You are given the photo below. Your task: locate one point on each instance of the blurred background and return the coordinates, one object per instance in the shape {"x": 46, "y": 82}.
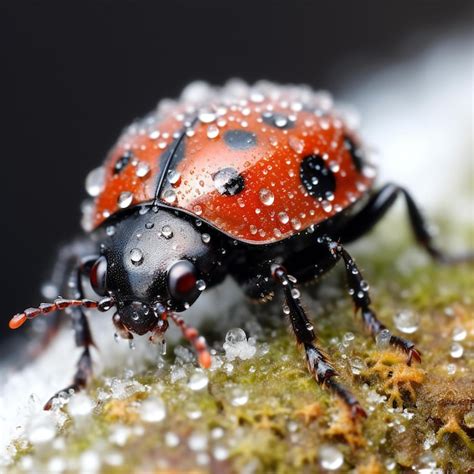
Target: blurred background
{"x": 75, "y": 73}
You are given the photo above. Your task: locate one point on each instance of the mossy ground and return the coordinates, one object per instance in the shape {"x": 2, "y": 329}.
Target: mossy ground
{"x": 266, "y": 414}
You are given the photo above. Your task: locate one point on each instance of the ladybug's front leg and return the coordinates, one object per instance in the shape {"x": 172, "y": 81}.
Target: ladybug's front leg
{"x": 82, "y": 333}
{"x": 318, "y": 362}
{"x": 359, "y": 290}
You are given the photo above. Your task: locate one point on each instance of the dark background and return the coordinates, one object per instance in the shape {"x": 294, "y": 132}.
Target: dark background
{"x": 74, "y": 73}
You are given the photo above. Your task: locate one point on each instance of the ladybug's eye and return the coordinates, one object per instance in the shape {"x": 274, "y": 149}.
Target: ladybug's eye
{"x": 98, "y": 276}
{"x": 182, "y": 278}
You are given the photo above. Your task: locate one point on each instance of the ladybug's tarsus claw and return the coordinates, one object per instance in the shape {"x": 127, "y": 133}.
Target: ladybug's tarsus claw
{"x": 413, "y": 354}
{"x": 358, "y": 412}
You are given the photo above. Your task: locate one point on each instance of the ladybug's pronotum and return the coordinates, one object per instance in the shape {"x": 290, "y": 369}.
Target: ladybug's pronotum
{"x": 264, "y": 183}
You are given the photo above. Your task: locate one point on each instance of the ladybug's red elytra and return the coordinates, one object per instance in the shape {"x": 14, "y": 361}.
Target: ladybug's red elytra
{"x": 264, "y": 183}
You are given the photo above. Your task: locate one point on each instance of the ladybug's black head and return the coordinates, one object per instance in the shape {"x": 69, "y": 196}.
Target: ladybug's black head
{"x": 154, "y": 260}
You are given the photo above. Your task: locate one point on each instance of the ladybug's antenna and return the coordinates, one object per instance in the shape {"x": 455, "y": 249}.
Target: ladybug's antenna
{"x": 192, "y": 335}
{"x": 59, "y": 304}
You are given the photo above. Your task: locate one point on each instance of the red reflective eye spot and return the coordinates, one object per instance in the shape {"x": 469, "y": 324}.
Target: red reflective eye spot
{"x": 186, "y": 283}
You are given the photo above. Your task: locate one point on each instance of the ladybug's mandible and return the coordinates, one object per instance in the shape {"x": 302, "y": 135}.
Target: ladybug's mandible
{"x": 264, "y": 183}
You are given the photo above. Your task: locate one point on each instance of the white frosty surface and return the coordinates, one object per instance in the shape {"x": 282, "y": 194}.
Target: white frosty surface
{"x": 419, "y": 115}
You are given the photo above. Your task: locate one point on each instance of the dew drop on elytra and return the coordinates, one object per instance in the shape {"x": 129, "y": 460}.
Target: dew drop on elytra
{"x": 169, "y": 196}
{"x": 173, "y": 176}
{"x": 212, "y": 131}
{"x": 125, "y": 199}
{"x": 283, "y": 217}
{"x": 266, "y": 196}
{"x": 142, "y": 169}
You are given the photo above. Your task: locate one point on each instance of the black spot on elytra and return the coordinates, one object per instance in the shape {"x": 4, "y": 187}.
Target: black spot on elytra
{"x": 283, "y": 122}
{"x": 240, "y": 139}
{"x": 316, "y": 177}
{"x": 228, "y": 181}
{"x": 122, "y": 162}
{"x": 356, "y": 153}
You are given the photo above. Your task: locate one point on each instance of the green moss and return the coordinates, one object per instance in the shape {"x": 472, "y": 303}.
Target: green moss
{"x": 287, "y": 417}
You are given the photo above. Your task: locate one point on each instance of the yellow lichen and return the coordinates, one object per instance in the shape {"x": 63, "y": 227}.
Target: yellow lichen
{"x": 398, "y": 378}
{"x": 372, "y": 466}
{"x": 344, "y": 426}
{"x": 310, "y": 412}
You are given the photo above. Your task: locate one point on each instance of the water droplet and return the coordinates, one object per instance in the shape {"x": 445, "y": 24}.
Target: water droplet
{"x": 266, "y": 196}
{"x": 239, "y": 397}
{"x": 283, "y": 217}
{"x": 212, "y": 131}
{"x": 149, "y": 225}
{"x": 197, "y": 441}
{"x": 201, "y": 285}
{"x": 220, "y": 453}
{"x": 152, "y": 410}
{"x": 171, "y": 439}
{"x": 80, "y": 405}
{"x": 382, "y": 339}
{"x": 406, "y": 321}
{"x": 330, "y": 457}
{"x": 136, "y": 256}
{"x": 281, "y": 121}
{"x": 326, "y": 205}
{"x": 451, "y": 369}
{"x": 295, "y": 293}
{"x": 198, "y": 381}
{"x": 296, "y": 144}
{"x": 235, "y": 336}
{"x": 296, "y": 223}
{"x": 166, "y": 232}
{"x": 206, "y": 238}
{"x": 173, "y": 177}
{"x": 110, "y": 230}
{"x": 206, "y": 116}
{"x": 95, "y": 181}
{"x": 456, "y": 350}
{"x": 125, "y": 199}
{"x": 142, "y": 169}
{"x": 459, "y": 334}
{"x": 348, "y": 338}
{"x": 169, "y": 196}
{"x": 357, "y": 365}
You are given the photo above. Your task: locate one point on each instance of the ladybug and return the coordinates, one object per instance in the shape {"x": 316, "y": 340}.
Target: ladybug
{"x": 264, "y": 183}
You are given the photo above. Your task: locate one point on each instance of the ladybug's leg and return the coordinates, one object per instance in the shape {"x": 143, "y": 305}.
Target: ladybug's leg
{"x": 359, "y": 291}
{"x": 379, "y": 203}
{"x": 318, "y": 363}
{"x": 66, "y": 259}
{"x": 82, "y": 334}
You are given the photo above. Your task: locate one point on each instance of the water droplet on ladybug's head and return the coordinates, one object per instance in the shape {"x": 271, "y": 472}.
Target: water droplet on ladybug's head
{"x": 167, "y": 232}
{"x": 136, "y": 256}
